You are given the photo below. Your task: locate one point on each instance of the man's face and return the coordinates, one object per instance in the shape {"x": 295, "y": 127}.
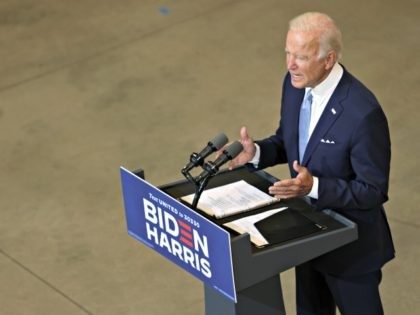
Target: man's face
{"x": 302, "y": 61}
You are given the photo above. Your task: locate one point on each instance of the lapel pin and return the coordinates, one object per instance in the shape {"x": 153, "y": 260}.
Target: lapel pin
{"x": 333, "y": 111}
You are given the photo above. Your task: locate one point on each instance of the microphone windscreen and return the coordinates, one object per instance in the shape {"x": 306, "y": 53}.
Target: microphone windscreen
{"x": 219, "y": 141}
{"x": 234, "y": 149}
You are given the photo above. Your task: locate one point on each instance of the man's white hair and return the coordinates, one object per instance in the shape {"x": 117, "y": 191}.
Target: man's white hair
{"x": 329, "y": 34}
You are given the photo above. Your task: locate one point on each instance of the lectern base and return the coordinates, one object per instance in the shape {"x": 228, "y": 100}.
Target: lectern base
{"x": 263, "y": 298}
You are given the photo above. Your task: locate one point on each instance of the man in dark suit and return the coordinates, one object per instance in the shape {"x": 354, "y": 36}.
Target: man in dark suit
{"x": 334, "y": 136}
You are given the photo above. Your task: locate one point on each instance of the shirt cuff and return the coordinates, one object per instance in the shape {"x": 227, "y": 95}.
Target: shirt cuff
{"x": 256, "y": 159}
{"x": 314, "y": 190}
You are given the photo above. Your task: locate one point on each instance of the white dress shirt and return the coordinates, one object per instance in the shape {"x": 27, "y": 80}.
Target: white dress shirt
{"x": 321, "y": 94}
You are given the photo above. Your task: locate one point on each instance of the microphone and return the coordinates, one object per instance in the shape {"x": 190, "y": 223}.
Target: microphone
{"x": 211, "y": 168}
{"x": 213, "y": 145}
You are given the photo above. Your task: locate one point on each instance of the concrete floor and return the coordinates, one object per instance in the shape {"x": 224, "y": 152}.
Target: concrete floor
{"x": 87, "y": 86}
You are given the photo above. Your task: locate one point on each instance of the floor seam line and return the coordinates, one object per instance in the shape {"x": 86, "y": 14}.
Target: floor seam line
{"x": 48, "y": 284}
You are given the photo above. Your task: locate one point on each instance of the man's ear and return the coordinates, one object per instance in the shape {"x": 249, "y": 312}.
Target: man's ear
{"x": 330, "y": 59}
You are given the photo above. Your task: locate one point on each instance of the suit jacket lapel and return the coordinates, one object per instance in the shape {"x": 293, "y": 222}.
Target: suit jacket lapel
{"x": 293, "y": 123}
{"x": 330, "y": 114}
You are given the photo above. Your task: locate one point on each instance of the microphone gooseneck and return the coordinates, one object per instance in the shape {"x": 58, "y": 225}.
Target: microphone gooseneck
{"x": 209, "y": 168}
{"x": 197, "y": 159}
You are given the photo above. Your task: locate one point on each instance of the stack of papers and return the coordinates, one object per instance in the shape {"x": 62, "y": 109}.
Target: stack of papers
{"x": 231, "y": 199}
{"x": 247, "y": 225}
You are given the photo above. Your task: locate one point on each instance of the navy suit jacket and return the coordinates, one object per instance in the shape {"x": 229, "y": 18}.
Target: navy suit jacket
{"x": 349, "y": 151}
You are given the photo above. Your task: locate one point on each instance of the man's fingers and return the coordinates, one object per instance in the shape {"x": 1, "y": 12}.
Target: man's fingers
{"x": 232, "y": 164}
{"x": 288, "y": 182}
{"x": 287, "y": 188}
{"x": 298, "y": 168}
{"x": 284, "y": 191}
{"x": 244, "y": 134}
{"x": 285, "y": 195}
{"x": 220, "y": 151}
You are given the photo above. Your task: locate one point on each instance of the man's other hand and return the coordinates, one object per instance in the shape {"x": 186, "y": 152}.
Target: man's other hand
{"x": 293, "y": 187}
{"x": 246, "y": 155}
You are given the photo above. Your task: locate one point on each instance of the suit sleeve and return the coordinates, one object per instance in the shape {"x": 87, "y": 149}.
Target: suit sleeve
{"x": 370, "y": 154}
{"x": 273, "y": 151}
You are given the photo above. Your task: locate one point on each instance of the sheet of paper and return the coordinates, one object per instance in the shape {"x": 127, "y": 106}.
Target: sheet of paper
{"x": 247, "y": 225}
{"x": 230, "y": 199}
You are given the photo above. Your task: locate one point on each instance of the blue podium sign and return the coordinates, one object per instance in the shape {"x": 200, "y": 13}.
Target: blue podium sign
{"x": 180, "y": 234}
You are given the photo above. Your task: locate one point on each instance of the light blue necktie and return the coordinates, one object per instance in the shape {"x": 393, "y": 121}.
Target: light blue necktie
{"x": 304, "y": 121}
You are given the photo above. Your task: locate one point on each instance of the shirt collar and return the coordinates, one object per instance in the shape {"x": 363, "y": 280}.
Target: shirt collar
{"x": 329, "y": 83}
